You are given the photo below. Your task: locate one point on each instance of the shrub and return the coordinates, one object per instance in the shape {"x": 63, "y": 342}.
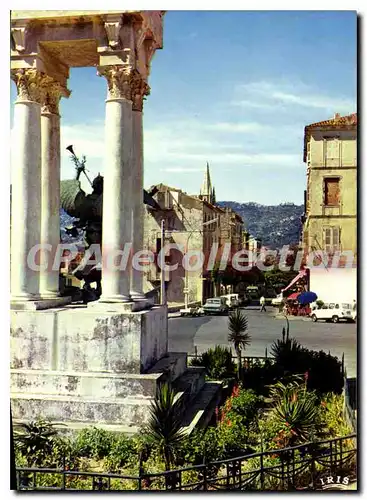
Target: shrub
{"x": 218, "y": 363}
{"x": 94, "y": 442}
{"x": 325, "y": 373}
{"x": 201, "y": 446}
{"x": 331, "y": 412}
{"x": 123, "y": 451}
{"x": 260, "y": 376}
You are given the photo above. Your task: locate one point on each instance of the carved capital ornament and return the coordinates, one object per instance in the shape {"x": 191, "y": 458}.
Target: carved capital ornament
{"x": 140, "y": 89}
{"x": 119, "y": 80}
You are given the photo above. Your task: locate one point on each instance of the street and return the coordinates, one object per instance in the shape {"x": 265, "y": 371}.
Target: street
{"x": 204, "y": 332}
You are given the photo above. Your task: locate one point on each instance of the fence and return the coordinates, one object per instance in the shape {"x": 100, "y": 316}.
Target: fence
{"x": 295, "y": 468}
{"x": 247, "y": 361}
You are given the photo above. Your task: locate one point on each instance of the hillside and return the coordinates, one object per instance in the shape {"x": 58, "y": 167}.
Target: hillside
{"x": 275, "y": 225}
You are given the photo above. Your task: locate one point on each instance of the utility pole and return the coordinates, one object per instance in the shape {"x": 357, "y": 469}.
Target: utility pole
{"x": 162, "y": 264}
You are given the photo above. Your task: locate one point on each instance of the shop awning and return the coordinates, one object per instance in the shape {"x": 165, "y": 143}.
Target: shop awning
{"x": 302, "y": 274}
{"x": 293, "y": 296}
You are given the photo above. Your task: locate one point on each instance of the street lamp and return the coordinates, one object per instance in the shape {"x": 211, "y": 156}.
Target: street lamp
{"x": 186, "y": 289}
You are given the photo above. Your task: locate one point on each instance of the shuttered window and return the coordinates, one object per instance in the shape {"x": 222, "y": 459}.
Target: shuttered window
{"x": 331, "y": 191}
{"x": 332, "y": 238}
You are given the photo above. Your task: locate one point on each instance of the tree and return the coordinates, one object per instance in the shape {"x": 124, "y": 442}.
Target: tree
{"x": 238, "y": 335}
{"x": 164, "y": 431}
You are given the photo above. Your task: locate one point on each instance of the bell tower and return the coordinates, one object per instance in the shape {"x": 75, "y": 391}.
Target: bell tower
{"x": 207, "y": 192}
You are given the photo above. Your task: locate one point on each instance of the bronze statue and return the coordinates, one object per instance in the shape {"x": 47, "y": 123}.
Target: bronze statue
{"x": 87, "y": 210}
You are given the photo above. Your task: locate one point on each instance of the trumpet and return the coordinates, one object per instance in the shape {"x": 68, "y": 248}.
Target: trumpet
{"x": 79, "y": 165}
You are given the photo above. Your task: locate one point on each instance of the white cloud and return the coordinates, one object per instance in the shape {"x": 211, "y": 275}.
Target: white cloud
{"x": 268, "y": 95}
{"x": 181, "y": 170}
{"x": 236, "y": 127}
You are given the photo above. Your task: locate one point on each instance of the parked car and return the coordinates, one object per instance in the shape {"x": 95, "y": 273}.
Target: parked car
{"x": 216, "y": 306}
{"x": 232, "y": 300}
{"x": 278, "y": 300}
{"x": 334, "y": 312}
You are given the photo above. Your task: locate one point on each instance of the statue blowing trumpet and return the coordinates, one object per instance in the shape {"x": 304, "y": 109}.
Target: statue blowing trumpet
{"x": 79, "y": 165}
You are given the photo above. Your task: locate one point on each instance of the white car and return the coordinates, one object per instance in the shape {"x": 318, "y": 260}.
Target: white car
{"x": 334, "y": 312}
{"x": 277, "y": 301}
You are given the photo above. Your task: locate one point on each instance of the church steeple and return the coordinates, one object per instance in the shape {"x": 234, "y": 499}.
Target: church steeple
{"x": 207, "y": 192}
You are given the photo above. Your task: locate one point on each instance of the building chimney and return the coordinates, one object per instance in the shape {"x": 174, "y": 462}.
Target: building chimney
{"x": 336, "y": 116}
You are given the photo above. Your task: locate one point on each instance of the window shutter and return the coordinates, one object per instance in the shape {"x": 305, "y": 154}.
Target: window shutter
{"x": 336, "y": 238}
{"x": 327, "y": 239}
{"x": 331, "y": 192}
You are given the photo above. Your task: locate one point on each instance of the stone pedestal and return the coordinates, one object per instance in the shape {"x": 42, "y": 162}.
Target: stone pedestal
{"x": 78, "y": 365}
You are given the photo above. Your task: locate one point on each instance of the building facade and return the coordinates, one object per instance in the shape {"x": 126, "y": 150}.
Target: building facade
{"x": 193, "y": 225}
{"x": 330, "y": 218}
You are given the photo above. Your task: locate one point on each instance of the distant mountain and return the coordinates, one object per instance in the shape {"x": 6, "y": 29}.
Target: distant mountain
{"x": 275, "y": 225}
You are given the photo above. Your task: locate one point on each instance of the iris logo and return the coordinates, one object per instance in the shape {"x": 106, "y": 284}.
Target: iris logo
{"x": 334, "y": 483}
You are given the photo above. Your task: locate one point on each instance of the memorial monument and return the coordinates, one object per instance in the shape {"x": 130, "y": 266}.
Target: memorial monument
{"x": 99, "y": 363}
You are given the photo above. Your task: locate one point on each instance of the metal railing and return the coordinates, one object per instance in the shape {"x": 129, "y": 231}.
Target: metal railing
{"x": 294, "y": 468}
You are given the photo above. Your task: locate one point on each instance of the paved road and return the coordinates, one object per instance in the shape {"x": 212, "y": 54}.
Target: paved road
{"x": 264, "y": 328}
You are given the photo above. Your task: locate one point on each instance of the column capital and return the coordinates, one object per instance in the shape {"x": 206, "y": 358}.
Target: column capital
{"x": 30, "y": 84}
{"x": 119, "y": 80}
{"x": 140, "y": 89}
{"x": 51, "y": 96}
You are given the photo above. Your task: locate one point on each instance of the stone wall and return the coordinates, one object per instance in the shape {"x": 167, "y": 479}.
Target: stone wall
{"x": 81, "y": 340}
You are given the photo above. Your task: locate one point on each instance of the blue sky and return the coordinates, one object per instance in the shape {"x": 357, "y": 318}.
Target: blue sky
{"x": 233, "y": 88}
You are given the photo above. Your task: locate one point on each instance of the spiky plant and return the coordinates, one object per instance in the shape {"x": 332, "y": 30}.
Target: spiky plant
{"x": 35, "y": 436}
{"x": 164, "y": 430}
{"x": 238, "y": 334}
{"x": 295, "y": 410}
{"x": 287, "y": 352}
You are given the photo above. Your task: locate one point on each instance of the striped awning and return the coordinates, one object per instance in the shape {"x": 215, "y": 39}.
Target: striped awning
{"x": 302, "y": 274}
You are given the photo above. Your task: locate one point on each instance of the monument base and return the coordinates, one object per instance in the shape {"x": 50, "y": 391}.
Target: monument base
{"x": 84, "y": 366}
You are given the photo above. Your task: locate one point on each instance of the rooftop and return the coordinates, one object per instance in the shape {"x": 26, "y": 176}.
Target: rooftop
{"x": 335, "y": 123}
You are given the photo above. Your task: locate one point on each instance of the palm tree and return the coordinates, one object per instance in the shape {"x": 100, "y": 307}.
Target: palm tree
{"x": 164, "y": 429}
{"x": 238, "y": 335}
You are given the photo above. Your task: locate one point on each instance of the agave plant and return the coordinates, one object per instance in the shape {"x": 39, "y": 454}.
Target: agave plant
{"x": 295, "y": 410}
{"x": 164, "y": 430}
{"x": 35, "y": 436}
{"x": 238, "y": 334}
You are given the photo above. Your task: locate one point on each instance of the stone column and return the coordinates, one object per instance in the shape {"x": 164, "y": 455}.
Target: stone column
{"x": 50, "y": 190}
{"x": 118, "y": 174}
{"x": 140, "y": 89}
{"x": 26, "y": 183}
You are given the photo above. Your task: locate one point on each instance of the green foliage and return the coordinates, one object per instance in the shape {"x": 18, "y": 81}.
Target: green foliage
{"x": 237, "y": 326}
{"x": 163, "y": 430}
{"x": 35, "y": 439}
{"x": 93, "y": 442}
{"x": 202, "y": 446}
{"x": 260, "y": 376}
{"x": 245, "y": 405}
{"x": 324, "y": 372}
{"x": 238, "y": 334}
{"x": 218, "y": 363}
{"x": 331, "y": 412}
{"x": 123, "y": 451}
{"x": 295, "y": 410}
{"x": 319, "y": 303}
